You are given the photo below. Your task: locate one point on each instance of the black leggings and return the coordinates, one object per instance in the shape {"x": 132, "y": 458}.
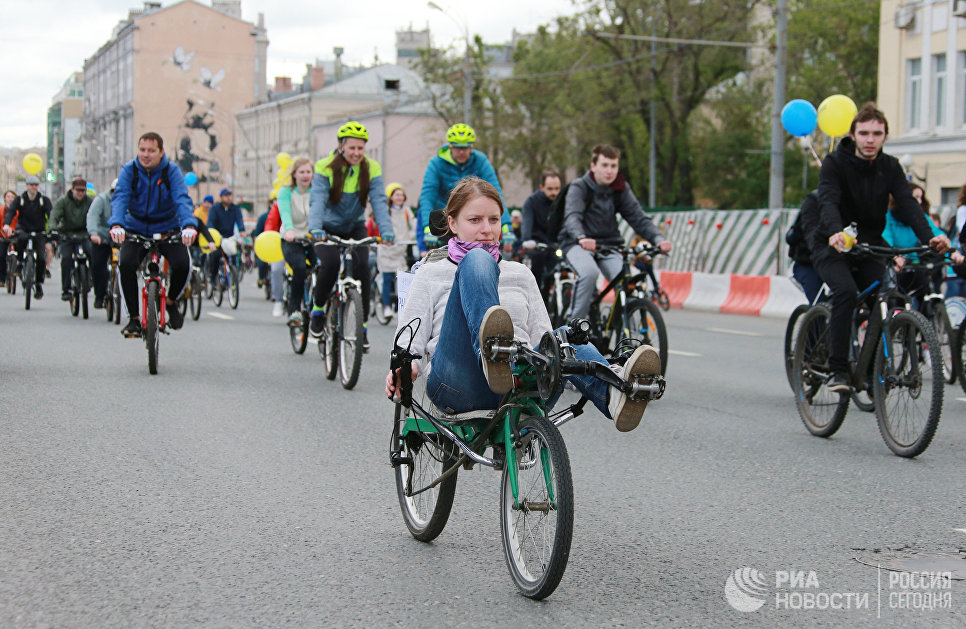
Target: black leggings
{"x": 329, "y": 257}
{"x": 130, "y": 256}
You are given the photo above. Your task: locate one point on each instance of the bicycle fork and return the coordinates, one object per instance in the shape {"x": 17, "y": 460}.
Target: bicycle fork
{"x": 153, "y": 276}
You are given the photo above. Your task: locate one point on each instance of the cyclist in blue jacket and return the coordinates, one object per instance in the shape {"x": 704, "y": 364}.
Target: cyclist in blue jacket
{"x": 454, "y": 161}
{"x": 151, "y": 198}
{"x": 226, "y": 217}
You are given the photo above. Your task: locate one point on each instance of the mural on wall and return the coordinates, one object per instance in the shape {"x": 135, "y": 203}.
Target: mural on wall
{"x": 197, "y": 141}
{"x": 210, "y": 80}
{"x": 181, "y": 58}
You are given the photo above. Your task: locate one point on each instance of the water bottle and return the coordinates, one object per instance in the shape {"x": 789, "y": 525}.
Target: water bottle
{"x": 850, "y": 234}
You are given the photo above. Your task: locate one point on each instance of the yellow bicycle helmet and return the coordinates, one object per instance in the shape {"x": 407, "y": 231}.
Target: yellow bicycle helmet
{"x": 460, "y": 134}
{"x": 353, "y": 129}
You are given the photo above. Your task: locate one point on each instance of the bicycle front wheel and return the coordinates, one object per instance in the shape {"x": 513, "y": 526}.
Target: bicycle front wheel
{"x": 959, "y": 353}
{"x": 85, "y": 289}
{"x": 351, "y": 339}
{"x": 28, "y": 279}
{"x": 116, "y": 296}
{"x": 194, "y": 296}
{"x": 376, "y": 308}
{"x": 299, "y": 335}
{"x": 423, "y": 457}
{"x": 329, "y": 341}
{"x": 233, "y": 281}
{"x": 822, "y": 411}
{"x": 791, "y": 331}
{"x": 909, "y": 389}
{"x": 151, "y": 332}
{"x": 645, "y": 323}
{"x": 537, "y": 527}
{"x": 75, "y": 291}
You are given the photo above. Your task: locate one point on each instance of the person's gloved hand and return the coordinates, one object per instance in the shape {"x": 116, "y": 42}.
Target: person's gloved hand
{"x": 117, "y": 234}
{"x": 317, "y": 234}
{"x": 431, "y": 240}
{"x": 188, "y": 235}
{"x": 509, "y": 238}
{"x": 388, "y": 238}
{"x": 529, "y": 244}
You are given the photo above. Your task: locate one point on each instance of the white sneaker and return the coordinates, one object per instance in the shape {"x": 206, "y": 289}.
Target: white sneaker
{"x": 627, "y": 413}
{"x": 278, "y": 309}
{"x": 497, "y": 324}
{"x": 387, "y": 312}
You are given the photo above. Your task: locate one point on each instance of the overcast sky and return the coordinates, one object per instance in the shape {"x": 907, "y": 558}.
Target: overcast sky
{"x": 44, "y": 41}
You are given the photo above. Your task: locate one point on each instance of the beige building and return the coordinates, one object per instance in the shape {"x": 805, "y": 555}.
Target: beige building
{"x": 922, "y": 90}
{"x": 183, "y": 71}
{"x": 64, "y": 118}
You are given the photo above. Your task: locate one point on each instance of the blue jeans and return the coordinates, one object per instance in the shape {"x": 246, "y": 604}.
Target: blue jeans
{"x": 808, "y": 278}
{"x": 456, "y": 383}
{"x": 955, "y": 287}
{"x": 388, "y": 283}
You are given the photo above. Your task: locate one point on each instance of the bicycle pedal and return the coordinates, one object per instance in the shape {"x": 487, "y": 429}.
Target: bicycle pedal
{"x": 650, "y": 387}
{"x": 499, "y": 350}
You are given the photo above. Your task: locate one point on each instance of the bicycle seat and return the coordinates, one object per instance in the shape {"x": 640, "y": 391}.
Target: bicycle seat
{"x": 457, "y": 418}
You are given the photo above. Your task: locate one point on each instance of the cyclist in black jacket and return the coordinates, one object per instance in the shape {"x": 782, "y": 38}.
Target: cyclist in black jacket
{"x": 33, "y": 208}
{"x": 854, "y": 187}
{"x": 535, "y": 224}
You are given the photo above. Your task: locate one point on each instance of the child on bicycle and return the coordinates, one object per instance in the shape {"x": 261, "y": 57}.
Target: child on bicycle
{"x": 455, "y": 304}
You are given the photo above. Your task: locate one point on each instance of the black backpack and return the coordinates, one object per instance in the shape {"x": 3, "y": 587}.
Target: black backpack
{"x": 555, "y": 218}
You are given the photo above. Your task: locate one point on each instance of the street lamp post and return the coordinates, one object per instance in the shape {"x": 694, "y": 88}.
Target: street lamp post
{"x": 467, "y": 66}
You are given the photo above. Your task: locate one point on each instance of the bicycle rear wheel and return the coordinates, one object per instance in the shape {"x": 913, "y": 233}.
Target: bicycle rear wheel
{"x": 645, "y": 323}
{"x": 151, "y": 332}
{"x": 233, "y": 288}
{"x": 11, "y": 276}
{"x": 821, "y": 410}
{"x": 791, "y": 331}
{"x": 538, "y": 528}
{"x": 944, "y": 336}
{"x": 28, "y": 279}
{"x": 75, "y": 291}
{"x": 351, "y": 338}
{"x": 329, "y": 341}
{"x": 423, "y": 457}
{"x": 218, "y": 292}
{"x": 194, "y": 295}
{"x": 909, "y": 400}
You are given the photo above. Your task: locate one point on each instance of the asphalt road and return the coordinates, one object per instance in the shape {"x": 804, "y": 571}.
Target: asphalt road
{"x": 239, "y": 488}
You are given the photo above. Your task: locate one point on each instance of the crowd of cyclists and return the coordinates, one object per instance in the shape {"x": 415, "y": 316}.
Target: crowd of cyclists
{"x": 335, "y": 195}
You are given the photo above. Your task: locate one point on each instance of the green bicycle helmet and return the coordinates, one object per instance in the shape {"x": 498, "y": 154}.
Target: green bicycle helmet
{"x": 460, "y": 135}
{"x": 353, "y": 129}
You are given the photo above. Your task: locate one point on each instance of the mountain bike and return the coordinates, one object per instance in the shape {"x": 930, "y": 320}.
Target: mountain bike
{"x": 80, "y": 274}
{"x": 898, "y": 362}
{"x": 341, "y": 343}
{"x": 28, "y": 274}
{"x": 428, "y": 447}
{"x": 153, "y": 294}
{"x": 227, "y": 279}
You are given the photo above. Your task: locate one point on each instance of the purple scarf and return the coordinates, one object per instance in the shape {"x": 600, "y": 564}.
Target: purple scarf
{"x": 457, "y": 249}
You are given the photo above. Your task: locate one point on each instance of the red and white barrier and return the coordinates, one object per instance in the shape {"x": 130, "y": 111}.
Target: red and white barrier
{"x": 756, "y": 295}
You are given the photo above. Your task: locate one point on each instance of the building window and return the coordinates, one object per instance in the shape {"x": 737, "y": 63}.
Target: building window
{"x": 939, "y": 89}
{"x": 913, "y": 92}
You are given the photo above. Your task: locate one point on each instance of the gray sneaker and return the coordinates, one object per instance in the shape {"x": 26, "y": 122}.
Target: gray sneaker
{"x": 627, "y": 413}
{"x": 496, "y": 324}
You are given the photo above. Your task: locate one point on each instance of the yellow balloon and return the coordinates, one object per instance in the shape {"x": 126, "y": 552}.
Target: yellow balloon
{"x": 835, "y": 115}
{"x": 283, "y": 160}
{"x": 32, "y": 163}
{"x": 216, "y": 236}
{"x": 268, "y": 247}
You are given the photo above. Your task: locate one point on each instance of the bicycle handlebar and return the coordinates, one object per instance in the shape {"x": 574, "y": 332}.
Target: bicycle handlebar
{"x": 879, "y": 250}
{"x": 331, "y": 240}
{"x": 147, "y": 243}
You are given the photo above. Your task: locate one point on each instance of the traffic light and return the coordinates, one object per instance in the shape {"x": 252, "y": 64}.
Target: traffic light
{"x": 51, "y": 176}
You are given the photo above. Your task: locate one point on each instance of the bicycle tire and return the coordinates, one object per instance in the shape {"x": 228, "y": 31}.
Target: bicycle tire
{"x": 791, "y": 328}
{"x": 299, "y": 335}
{"x": 194, "y": 296}
{"x": 821, "y": 410}
{"x": 218, "y": 292}
{"x": 913, "y": 345}
{"x": 646, "y": 324}
{"x": 85, "y": 289}
{"x": 116, "y": 297}
{"x": 428, "y": 456}
{"x": 27, "y": 283}
{"x": 11, "y": 275}
{"x": 233, "y": 287}
{"x": 109, "y": 298}
{"x": 75, "y": 290}
{"x": 351, "y": 339}
{"x": 376, "y": 308}
{"x": 545, "y": 511}
{"x": 151, "y": 332}
{"x": 959, "y": 353}
{"x": 945, "y": 334}
{"x": 329, "y": 342}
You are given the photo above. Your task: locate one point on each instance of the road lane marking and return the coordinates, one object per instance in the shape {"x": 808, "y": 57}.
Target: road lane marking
{"x": 735, "y": 332}
{"x": 678, "y": 352}
{"x": 218, "y": 315}
{"x": 961, "y": 399}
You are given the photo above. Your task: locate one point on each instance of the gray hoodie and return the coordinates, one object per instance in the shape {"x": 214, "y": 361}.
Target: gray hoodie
{"x": 591, "y": 211}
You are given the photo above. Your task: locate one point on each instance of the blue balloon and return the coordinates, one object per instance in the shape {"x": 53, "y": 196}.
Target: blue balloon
{"x": 190, "y": 179}
{"x": 799, "y": 117}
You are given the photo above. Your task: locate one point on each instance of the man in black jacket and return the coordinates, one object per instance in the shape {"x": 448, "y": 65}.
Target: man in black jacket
{"x": 854, "y": 187}
{"x": 590, "y": 222}
{"x": 34, "y": 210}
{"x": 536, "y": 223}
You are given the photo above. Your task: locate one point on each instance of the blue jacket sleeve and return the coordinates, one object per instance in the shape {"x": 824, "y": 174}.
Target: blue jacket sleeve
{"x": 317, "y": 200}
{"x": 380, "y": 206}
{"x": 484, "y": 170}
{"x": 427, "y": 200}
{"x": 121, "y": 199}
{"x": 180, "y": 196}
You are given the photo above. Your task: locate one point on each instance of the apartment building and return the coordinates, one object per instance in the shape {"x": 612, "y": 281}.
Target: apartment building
{"x": 64, "y": 119}
{"x": 922, "y": 90}
{"x": 183, "y": 71}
